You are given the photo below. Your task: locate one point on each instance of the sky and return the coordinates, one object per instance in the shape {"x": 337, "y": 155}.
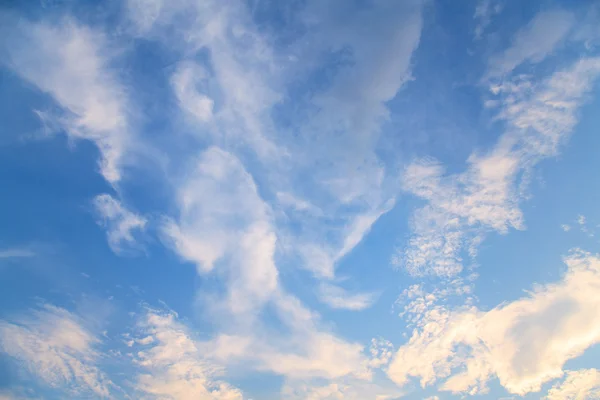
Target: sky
{"x": 300, "y": 199}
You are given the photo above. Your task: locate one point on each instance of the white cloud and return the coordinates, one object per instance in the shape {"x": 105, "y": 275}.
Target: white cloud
{"x": 461, "y": 208}
{"x": 578, "y": 385}
{"x": 71, "y": 63}
{"x": 565, "y": 227}
{"x": 337, "y": 297}
{"x": 55, "y": 346}
{"x": 231, "y": 224}
{"x": 120, "y": 223}
{"x": 249, "y": 77}
{"x": 230, "y": 233}
{"x": 234, "y": 232}
{"x": 581, "y": 219}
{"x": 524, "y": 343}
{"x": 534, "y": 42}
{"x": 172, "y": 365}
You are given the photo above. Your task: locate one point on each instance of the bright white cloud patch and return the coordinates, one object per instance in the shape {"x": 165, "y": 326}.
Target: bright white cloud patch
{"x": 172, "y": 364}
{"x": 120, "y": 223}
{"x": 523, "y": 343}
{"x": 55, "y": 346}
{"x": 71, "y": 63}
{"x": 577, "y": 385}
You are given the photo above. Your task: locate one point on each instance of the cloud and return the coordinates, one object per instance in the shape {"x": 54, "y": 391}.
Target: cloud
{"x": 120, "y": 223}
{"x": 233, "y": 224}
{"x": 337, "y": 297}
{"x": 577, "y": 385}
{"x": 322, "y": 258}
{"x": 251, "y": 170}
{"x": 524, "y": 343}
{"x": 187, "y": 81}
{"x": 230, "y": 234}
{"x": 484, "y": 12}
{"x": 343, "y": 389}
{"x": 462, "y": 207}
{"x": 71, "y": 63}
{"x": 237, "y": 90}
{"x": 16, "y": 252}
{"x": 534, "y": 42}
{"x": 54, "y": 345}
{"x": 171, "y": 363}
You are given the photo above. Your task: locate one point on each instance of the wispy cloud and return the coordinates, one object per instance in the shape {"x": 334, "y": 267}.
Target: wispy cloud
{"x": 120, "y": 223}
{"x": 72, "y": 63}
{"x": 16, "y": 252}
{"x": 54, "y": 345}
{"x": 534, "y": 42}
{"x": 337, "y": 297}
{"x": 484, "y": 12}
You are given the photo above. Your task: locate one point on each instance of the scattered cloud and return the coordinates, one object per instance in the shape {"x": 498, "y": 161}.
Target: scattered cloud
{"x": 524, "y": 343}
{"x": 55, "y": 346}
{"x": 577, "y": 385}
{"x": 565, "y": 227}
{"x": 534, "y": 42}
{"x": 485, "y": 10}
{"x": 120, "y": 223}
{"x": 461, "y": 208}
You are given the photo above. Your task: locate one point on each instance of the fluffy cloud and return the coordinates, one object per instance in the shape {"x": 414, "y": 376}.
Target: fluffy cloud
{"x": 577, "y": 385}
{"x": 172, "y": 364}
{"x": 524, "y": 343}
{"x": 120, "y": 223}
{"x": 54, "y": 345}
{"x": 461, "y": 208}
{"x": 71, "y": 63}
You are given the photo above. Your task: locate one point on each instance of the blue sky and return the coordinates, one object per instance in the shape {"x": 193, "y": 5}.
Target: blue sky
{"x": 299, "y": 200}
